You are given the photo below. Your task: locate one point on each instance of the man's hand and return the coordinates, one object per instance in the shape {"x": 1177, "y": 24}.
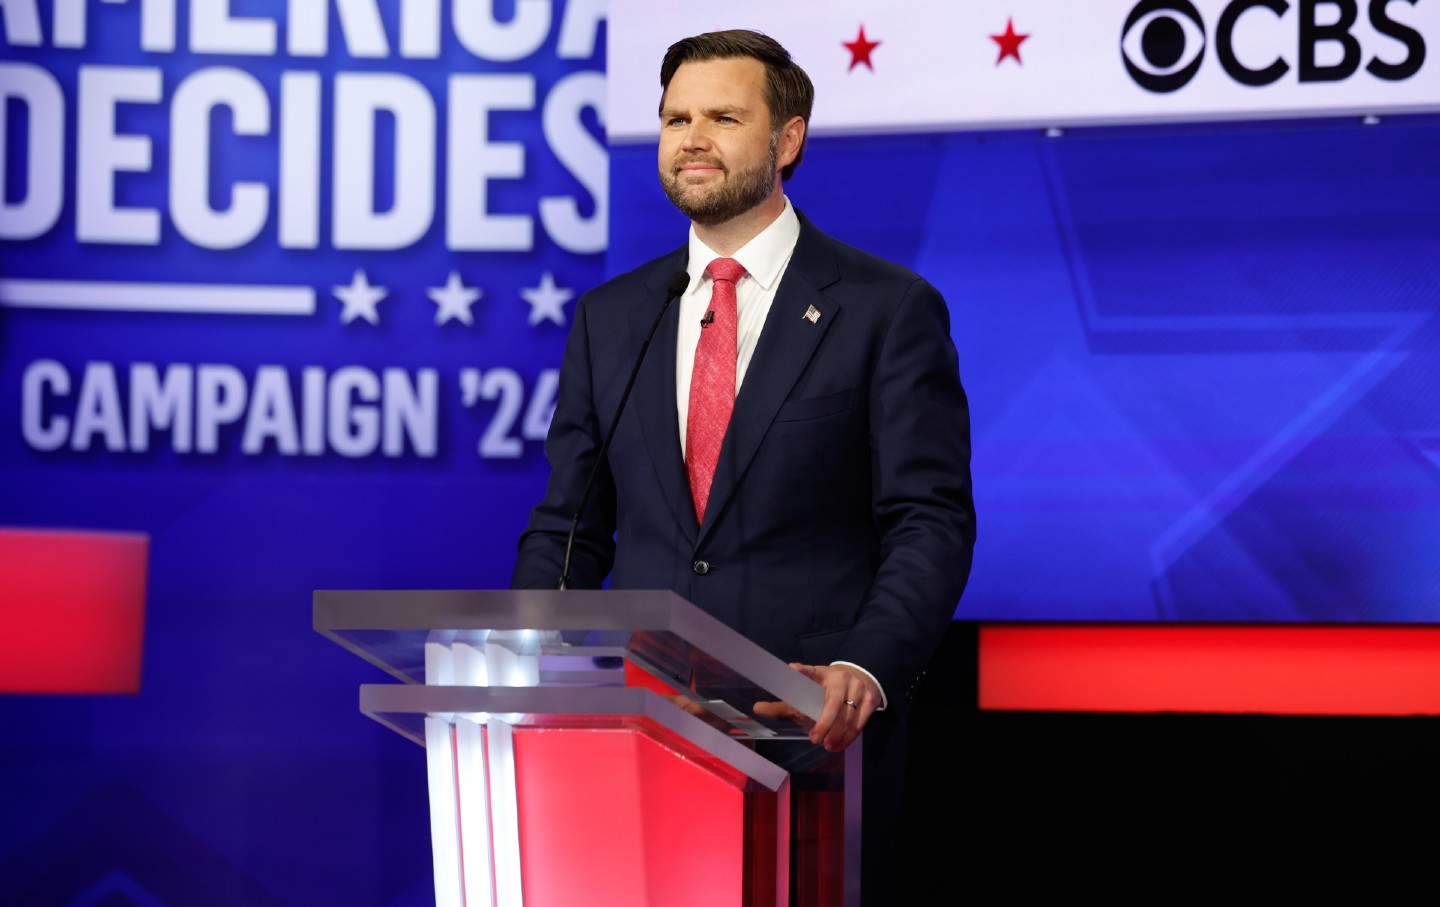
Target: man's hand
{"x": 850, "y": 699}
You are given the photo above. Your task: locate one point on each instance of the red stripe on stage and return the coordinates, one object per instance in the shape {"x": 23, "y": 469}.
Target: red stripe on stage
{"x": 1283, "y": 670}
{"x": 72, "y": 609}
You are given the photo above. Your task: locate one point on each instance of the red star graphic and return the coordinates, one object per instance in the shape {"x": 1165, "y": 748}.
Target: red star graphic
{"x": 1009, "y": 43}
{"x": 860, "y": 50}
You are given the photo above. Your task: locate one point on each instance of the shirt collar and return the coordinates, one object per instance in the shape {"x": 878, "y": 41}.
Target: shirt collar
{"x": 764, "y": 257}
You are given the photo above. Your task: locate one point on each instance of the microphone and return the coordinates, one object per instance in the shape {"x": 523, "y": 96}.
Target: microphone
{"x": 708, "y": 320}
{"x": 674, "y": 288}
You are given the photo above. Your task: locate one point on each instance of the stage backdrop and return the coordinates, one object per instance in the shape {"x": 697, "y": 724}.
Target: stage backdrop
{"x": 283, "y": 288}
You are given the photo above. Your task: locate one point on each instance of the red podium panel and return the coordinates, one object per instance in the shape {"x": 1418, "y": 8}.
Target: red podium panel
{"x": 658, "y": 825}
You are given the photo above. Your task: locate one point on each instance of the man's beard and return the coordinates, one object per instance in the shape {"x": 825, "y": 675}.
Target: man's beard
{"x": 740, "y": 191}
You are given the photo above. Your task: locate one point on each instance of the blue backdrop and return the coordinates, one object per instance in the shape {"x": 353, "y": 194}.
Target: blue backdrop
{"x": 243, "y": 773}
{"x": 1202, "y": 361}
{"x": 1202, "y": 365}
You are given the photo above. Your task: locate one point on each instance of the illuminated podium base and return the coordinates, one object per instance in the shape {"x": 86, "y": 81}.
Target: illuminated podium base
{"x": 552, "y": 783}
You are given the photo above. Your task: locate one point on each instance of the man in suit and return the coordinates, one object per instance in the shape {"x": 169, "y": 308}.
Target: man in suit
{"x": 795, "y": 459}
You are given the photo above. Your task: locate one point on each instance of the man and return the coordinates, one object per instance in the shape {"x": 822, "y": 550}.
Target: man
{"x": 795, "y": 458}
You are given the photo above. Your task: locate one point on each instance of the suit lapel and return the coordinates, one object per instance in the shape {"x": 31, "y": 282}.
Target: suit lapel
{"x": 787, "y": 343}
{"x": 654, "y": 395}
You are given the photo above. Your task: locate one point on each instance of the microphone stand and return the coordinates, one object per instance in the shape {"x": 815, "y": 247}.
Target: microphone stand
{"x": 678, "y": 282}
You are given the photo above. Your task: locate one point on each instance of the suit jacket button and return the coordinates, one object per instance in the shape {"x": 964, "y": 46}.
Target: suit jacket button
{"x": 701, "y": 567}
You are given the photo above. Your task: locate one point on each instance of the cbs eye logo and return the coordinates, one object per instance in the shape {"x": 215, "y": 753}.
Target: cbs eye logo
{"x": 1163, "y": 44}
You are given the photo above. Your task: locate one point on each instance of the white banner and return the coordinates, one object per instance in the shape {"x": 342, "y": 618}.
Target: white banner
{"x": 931, "y": 65}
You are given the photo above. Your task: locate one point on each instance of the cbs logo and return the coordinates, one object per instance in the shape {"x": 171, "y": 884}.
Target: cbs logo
{"x": 1163, "y": 42}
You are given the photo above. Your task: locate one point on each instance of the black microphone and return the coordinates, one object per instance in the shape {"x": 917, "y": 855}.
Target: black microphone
{"x": 673, "y": 290}
{"x": 708, "y": 320}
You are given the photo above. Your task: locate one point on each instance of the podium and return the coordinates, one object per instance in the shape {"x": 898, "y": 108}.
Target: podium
{"x": 554, "y": 783}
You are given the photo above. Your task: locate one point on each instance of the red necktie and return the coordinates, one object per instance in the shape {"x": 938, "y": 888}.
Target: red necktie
{"x": 712, "y": 383}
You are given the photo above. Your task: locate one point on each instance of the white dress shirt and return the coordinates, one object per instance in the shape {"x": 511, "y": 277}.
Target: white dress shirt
{"x": 764, "y": 259}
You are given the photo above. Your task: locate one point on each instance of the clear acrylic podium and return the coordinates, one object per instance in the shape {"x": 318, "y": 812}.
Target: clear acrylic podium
{"x": 553, "y": 783}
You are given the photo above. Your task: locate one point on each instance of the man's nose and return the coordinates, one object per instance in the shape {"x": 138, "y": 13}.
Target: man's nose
{"x": 696, "y": 138}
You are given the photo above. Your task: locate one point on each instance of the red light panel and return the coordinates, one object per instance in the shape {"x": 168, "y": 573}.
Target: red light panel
{"x": 72, "y": 611}
{"x": 1282, "y": 670}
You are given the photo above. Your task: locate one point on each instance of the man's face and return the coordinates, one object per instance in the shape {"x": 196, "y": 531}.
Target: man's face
{"x": 717, "y": 151}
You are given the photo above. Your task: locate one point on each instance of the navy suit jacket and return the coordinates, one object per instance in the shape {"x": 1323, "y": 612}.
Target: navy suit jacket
{"x": 840, "y": 523}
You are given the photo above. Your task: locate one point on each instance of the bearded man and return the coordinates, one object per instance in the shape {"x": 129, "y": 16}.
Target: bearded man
{"x": 795, "y": 459}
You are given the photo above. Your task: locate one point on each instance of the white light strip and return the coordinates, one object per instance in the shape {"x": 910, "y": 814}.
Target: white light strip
{"x": 439, "y": 665}
{"x": 504, "y": 814}
{"x": 201, "y": 298}
{"x": 509, "y": 669}
{"x": 470, "y": 669}
{"x": 474, "y": 813}
{"x": 444, "y": 823}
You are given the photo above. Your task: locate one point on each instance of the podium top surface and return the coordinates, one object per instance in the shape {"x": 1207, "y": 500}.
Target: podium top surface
{"x": 517, "y": 609}
{"x": 579, "y": 637}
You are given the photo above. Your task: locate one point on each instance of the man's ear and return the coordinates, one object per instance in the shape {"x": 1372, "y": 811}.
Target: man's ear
{"x": 792, "y": 137}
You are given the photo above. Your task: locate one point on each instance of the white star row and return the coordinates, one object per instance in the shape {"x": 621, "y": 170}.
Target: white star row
{"x": 361, "y": 299}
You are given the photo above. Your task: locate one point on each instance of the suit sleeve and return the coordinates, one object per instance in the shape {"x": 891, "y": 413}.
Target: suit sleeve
{"x": 572, "y": 446}
{"x": 923, "y": 507}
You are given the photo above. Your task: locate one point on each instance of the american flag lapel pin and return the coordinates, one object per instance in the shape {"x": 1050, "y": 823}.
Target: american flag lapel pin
{"x": 812, "y": 314}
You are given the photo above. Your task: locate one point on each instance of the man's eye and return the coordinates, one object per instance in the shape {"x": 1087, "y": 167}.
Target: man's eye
{"x": 675, "y": 121}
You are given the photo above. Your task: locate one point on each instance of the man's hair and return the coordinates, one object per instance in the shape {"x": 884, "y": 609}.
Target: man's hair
{"x": 787, "y": 89}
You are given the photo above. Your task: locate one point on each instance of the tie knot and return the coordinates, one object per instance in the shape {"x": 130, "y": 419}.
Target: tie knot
{"x": 725, "y": 269}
